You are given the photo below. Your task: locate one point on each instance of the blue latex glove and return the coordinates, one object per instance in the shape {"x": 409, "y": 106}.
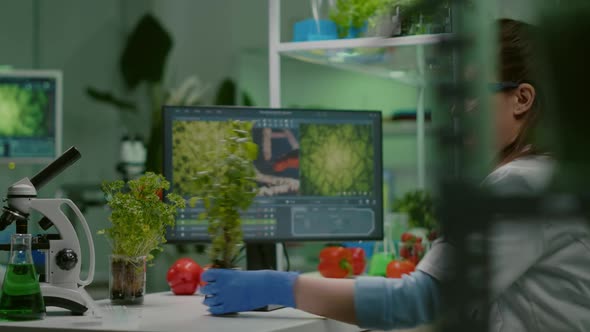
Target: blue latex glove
{"x": 234, "y": 291}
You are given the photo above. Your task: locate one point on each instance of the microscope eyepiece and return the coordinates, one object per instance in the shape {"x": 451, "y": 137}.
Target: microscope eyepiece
{"x": 57, "y": 166}
{"x": 9, "y": 216}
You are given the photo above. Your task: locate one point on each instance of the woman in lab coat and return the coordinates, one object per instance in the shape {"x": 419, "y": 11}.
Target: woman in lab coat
{"x": 539, "y": 271}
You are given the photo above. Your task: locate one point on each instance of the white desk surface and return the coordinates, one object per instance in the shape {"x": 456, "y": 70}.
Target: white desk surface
{"x": 167, "y": 312}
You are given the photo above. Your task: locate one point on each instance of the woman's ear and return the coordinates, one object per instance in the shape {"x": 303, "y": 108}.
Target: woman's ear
{"x": 525, "y": 97}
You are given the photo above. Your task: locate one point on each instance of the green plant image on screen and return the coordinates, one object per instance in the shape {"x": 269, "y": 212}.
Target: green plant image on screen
{"x": 192, "y": 143}
{"x": 336, "y": 160}
{"x": 22, "y": 111}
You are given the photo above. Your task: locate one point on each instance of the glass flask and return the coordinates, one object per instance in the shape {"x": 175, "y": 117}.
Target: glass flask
{"x": 21, "y": 297}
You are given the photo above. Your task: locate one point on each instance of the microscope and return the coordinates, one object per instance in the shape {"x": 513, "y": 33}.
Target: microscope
{"x": 62, "y": 286}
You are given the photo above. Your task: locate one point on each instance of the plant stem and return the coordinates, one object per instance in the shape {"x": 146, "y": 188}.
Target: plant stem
{"x": 228, "y": 240}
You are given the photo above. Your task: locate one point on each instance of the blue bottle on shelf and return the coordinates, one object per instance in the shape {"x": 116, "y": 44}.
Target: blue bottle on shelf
{"x": 311, "y": 30}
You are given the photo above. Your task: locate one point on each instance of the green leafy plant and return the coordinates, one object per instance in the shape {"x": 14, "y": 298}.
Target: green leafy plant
{"x": 416, "y": 15}
{"x": 139, "y": 217}
{"x": 355, "y": 13}
{"x": 419, "y": 207}
{"x": 226, "y": 185}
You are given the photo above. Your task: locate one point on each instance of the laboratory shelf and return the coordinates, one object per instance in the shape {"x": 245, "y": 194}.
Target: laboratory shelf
{"x": 375, "y": 42}
{"x": 409, "y": 59}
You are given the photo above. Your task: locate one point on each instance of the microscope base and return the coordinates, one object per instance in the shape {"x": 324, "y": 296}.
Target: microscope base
{"x": 75, "y": 300}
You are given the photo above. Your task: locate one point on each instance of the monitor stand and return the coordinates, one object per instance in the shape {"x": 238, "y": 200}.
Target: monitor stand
{"x": 262, "y": 256}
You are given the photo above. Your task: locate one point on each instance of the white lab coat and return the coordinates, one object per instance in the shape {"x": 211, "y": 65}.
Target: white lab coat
{"x": 540, "y": 271}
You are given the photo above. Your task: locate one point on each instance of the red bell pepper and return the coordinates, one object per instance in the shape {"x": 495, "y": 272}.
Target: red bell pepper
{"x": 335, "y": 262}
{"x": 358, "y": 260}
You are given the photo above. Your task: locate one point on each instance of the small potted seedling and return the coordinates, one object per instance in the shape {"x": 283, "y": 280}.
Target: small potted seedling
{"x": 225, "y": 186}
{"x": 139, "y": 220}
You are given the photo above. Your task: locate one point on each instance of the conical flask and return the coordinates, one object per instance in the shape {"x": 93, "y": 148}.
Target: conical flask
{"x": 21, "y": 297}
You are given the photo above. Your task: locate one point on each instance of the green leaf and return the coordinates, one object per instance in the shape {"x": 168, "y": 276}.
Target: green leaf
{"x": 252, "y": 150}
{"x": 419, "y": 207}
{"x": 224, "y": 181}
{"x": 138, "y": 217}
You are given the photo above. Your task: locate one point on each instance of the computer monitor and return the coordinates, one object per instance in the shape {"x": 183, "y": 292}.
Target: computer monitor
{"x": 30, "y": 116}
{"x": 319, "y": 172}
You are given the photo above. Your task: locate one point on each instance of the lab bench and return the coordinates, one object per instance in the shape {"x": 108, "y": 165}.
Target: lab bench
{"x": 167, "y": 312}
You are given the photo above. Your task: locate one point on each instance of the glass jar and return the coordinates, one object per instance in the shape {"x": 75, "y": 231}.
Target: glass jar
{"x": 127, "y": 279}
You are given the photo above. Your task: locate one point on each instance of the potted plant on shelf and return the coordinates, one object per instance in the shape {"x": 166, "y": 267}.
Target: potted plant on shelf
{"x": 139, "y": 220}
{"x": 422, "y": 16}
{"x": 225, "y": 185}
{"x": 352, "y": 16}
{"x": 423, "y": 227}
{"x": 419, "y": 206}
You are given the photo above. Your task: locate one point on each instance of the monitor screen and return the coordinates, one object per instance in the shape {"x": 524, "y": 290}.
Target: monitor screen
{"x": 30, "y": 113}
{"x": 319, "y": 173}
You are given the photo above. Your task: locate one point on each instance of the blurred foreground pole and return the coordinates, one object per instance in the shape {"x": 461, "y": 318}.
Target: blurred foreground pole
{"x": 467, "y": 155}
{"x": 466, "y": 212}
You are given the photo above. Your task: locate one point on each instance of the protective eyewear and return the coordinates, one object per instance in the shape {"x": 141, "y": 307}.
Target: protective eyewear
{"x": 502, "y": 86}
